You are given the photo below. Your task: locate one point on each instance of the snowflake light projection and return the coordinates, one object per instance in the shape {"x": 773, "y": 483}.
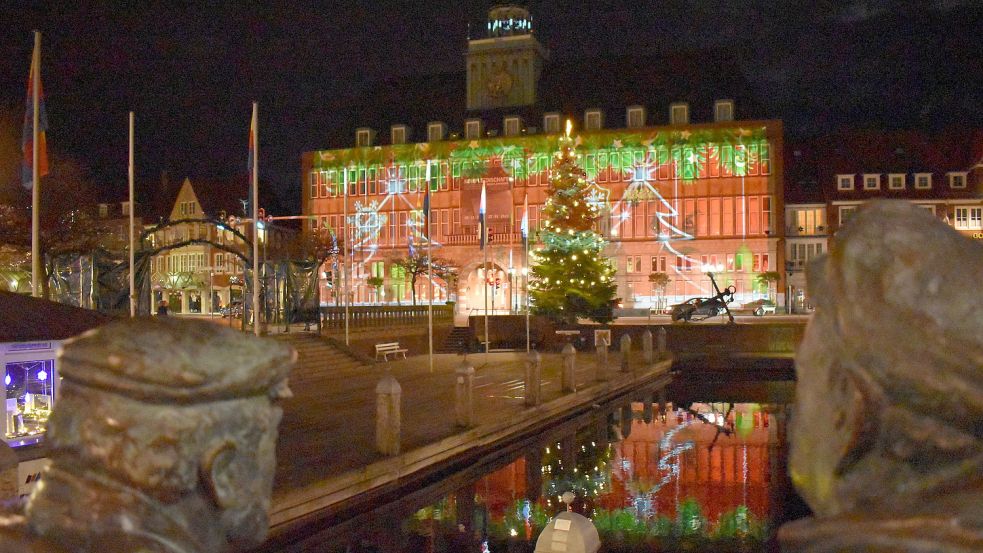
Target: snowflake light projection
{"x": 367, "y": 222}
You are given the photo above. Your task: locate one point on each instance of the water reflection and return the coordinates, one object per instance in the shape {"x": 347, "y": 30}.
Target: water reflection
{"x": 695, "y": 476}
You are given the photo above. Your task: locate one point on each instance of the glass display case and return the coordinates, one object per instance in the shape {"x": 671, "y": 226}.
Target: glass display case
{"x": 28, "y": 400}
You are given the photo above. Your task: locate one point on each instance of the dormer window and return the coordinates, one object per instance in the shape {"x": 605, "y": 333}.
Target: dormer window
{"x": 103, "y": 210}
{"x": 957, "y": 180}
{"x": 635, "y": 117}
{"x": 125, "y": 206}
{"x": 679, "y": 113}
{"x": 872, "y": 181}
{"x": 923, "y": 181}
{"x": 397, "y": 134}
{"x": 895, "y": 181}
{"x": 436, "y": 131}
{"x": 723, "y": 110}
{"x": 593, "y": 120}
{"x": 551, "y": 123}
{"x": 472, "y": 129}
{"x": 512, "y": 125}
{"x": 844, "y": 182}
{"x": 363, "y": 137}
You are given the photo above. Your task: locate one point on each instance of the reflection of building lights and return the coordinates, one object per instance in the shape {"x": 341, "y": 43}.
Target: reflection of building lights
{"x": 513, "y": 532}
{"x": 6, "y": 380}
{"x": 42, "y": 376}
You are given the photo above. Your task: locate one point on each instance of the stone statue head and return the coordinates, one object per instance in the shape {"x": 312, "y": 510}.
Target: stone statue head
{"x": 888, "y": 420}
{"x": 180, "y": 415}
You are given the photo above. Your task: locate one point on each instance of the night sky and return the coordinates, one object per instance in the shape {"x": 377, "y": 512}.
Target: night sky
{"x": 190, "y": 70}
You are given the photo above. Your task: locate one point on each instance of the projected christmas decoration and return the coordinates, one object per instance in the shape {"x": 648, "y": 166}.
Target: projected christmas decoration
{"x": 571, "y": 278}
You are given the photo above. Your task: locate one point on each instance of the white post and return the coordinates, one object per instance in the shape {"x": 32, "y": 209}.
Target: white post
{"x": 429, "y": 272}
{"x": 347, "y": 245}
{"x": 133, "y": 292}
{"x": 255, "y": 208}
{"x": 569, "y": 377}
{"x": 36, "y": 178}
{"x": 464, "y": 395}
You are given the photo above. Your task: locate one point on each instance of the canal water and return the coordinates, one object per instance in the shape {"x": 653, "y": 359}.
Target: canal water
{"x": 699, "y": 466}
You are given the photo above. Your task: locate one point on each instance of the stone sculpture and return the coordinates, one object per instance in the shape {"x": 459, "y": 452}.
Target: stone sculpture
{"x": 162, "y": 440}
{"x": 887, "y": 433}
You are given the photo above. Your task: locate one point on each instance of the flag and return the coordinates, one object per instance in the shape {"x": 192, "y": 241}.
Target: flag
{"x": 27, "y": 142}
{"x": 409, "y": 242}
{"x": 481, "y": 219}
{"x": 426, "y": 203}
{"x": 524, "y": 225}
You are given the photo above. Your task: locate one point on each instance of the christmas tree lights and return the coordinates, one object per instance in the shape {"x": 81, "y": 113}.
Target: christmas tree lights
{"x": 571, "y": 256}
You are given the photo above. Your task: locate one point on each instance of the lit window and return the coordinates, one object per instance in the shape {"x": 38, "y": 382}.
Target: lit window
{"x": 844, "y": 182}
{"x": 872, "y": 182}
{"x": 551, "y": 123}
{"x": 592, "y": 119}
{"x": 957, "y": 180}
{"x": 679, "y": 114}
{"x": 436, "y": 131}
{"x": 896, "y": 181}
{"x": 636, "y": 117}
{"x": 512, "y": 126}
{"x": 472, "y": 129}
{"x": 923, "y": 181}
{"x": 398, "y": 134}
{"x": 969, "y": 218}
{"x": 363, "y": 137}
{"x": 723, "y": 110}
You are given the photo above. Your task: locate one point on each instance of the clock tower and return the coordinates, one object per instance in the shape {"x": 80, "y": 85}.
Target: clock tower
{"x": 504, "y": 67}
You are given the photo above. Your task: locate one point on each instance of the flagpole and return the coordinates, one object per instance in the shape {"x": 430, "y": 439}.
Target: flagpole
{"x": 525, "y": 261}
{"x": 133, "y": 287}
{"x": 36, "y": 176}
{"x": 347, "y": 246}
{"x": 255, "y": 208}
{"x": 429, "y": 268}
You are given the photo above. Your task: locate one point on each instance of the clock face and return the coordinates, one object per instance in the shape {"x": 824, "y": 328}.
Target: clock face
{"x": 500, "y": 83}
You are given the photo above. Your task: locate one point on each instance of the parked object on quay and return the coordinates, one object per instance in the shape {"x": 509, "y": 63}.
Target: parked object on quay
{"x": 163, "y": 440}
{"x": 761, "y": 307}
{"x": 887, "y": 447}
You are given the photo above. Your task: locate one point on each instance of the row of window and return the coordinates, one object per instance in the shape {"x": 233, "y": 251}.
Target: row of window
{"x": 898, "y": 181}
{"x": 194, "y": 262}
{"x": 966, "y": 218}
{"x": 187, "y": 208}
{"x": 635, "y": 117}
{"x": 678, "y": 162}
{"x": 731, "y": 262}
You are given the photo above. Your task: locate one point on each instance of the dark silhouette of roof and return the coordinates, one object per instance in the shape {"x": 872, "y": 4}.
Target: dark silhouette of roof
{"x": 568, "y": 86}
{"x": 24, "y": 319}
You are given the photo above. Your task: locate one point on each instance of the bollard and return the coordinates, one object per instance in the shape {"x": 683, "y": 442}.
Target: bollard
{"x": 387, "y": 414}
{"x": 647, "y": 407}
{"x": 533, "y": 382}
{"x": 602, "y": 360}
{"x": 464, "y": 395}
{"x": 647, "y": 347}
{"x": 626, "y": 421}
{"x": 569, "y": 368}
{"x": 625, "y": 352}
{"x": 662, "y": 341}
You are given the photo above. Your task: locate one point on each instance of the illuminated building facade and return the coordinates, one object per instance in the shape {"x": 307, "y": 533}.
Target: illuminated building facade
{"x": 831, "y": 177}
{"x": 676, "y": 197}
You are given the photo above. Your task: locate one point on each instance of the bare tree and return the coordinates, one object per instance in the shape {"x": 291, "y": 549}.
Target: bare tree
{"x": 416, "y": 265}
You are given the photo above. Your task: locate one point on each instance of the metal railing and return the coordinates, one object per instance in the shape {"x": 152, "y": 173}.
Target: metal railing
{"x": 378, "y": 316}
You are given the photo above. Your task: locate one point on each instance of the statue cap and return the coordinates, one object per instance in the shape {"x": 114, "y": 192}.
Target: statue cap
{"x": 166, "y": 360}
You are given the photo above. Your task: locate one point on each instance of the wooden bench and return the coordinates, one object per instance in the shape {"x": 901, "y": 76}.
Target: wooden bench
{"x": 390, "y": 347}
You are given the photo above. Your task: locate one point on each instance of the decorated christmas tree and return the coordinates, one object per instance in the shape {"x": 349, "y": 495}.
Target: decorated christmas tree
{"x": 571, "y": 278}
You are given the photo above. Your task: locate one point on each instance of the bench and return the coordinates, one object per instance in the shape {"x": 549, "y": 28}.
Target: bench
{"x": 390, "y": 347}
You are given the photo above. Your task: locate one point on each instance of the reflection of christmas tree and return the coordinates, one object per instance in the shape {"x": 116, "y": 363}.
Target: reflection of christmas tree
{"x": 586, "y": 478}
{"x": 572, "y": 279}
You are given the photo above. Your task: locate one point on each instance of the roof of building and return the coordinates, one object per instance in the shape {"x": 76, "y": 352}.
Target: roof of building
{"x": 24, "y": 319}
{"x": 811, "y": 166}
{"x": 568, "y": 86}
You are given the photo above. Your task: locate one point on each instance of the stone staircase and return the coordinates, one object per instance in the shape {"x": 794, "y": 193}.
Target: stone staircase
{"x": 460, "y": 340}
{"x": 317, "y": 356}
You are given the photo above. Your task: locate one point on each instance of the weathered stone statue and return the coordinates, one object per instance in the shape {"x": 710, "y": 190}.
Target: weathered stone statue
{"x": 162, "y": 440}
{"x": 887, "y": 434}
